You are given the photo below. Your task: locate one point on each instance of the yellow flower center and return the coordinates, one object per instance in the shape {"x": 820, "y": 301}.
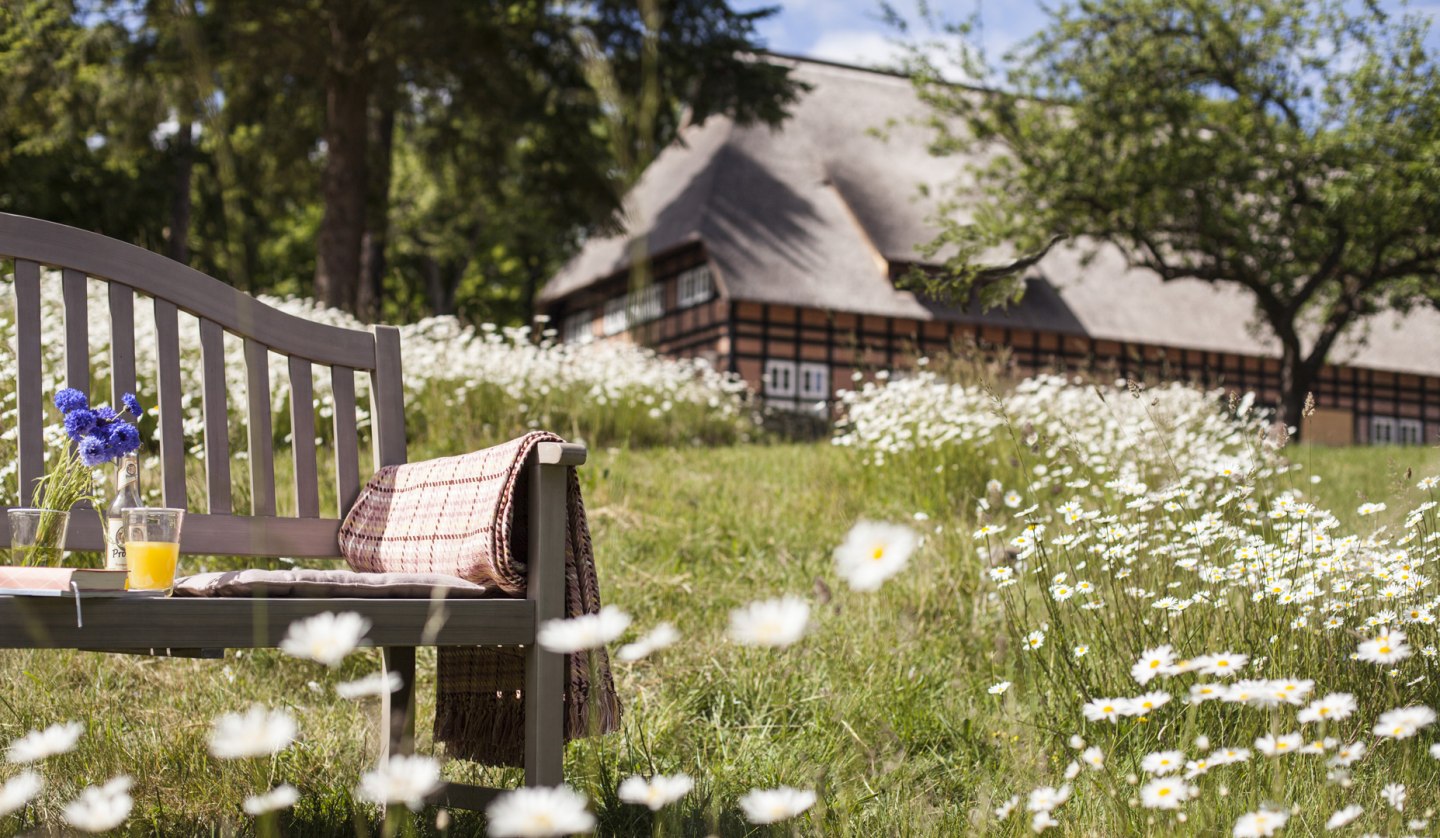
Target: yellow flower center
{"x": 1155, "y": 664}
{"x": 1163, "y": 792}
{"x": 1384, "y": 650}
{"x": 878, "y": 553}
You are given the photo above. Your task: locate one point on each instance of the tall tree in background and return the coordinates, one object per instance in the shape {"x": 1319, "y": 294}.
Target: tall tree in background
{"x": 1284, "y": 147}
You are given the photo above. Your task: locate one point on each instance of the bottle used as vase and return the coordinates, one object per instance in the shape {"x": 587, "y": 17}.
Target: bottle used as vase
{"x": 127, "y": 496}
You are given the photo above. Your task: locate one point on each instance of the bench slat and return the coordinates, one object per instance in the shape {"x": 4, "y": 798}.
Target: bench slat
{"x": 77, "y": 331}
{"x": 30, "y": 391}
{"x": 217, "y": 418}
{"x": 302, "y": 439}
{"x": 172, "y": 437}
{"x": 222, "y": 535}
{"x": 122, "y": 341}
{"x": 262, "y": 453}
{"x": 121, "y": 623}
{"x": 387, "y": 399}
{"x": 347, "y": 440}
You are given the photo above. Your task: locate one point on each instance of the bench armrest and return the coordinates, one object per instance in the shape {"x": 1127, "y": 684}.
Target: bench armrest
{"x": 560, "y": 454}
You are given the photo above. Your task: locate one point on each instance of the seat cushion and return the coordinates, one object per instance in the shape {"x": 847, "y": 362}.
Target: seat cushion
{"x": 328, "y": 583}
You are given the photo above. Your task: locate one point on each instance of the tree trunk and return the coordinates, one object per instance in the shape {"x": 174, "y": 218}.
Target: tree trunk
{"x": 370, "y": 294}
{"x": 347, "y": 96}
{"x": 178, "y": 245}
{"x": 440, "y": 283}
{"x": 1297, "y": 381}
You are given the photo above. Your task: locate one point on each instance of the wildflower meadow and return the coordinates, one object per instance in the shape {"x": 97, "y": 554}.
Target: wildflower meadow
{"x": 1058, "y": 605}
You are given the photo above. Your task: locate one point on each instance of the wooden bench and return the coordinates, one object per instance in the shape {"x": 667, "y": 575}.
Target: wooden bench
{"x": 205, "y": 627}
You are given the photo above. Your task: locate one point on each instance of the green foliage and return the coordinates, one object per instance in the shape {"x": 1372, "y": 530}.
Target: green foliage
{"x": 1283, "y": 147}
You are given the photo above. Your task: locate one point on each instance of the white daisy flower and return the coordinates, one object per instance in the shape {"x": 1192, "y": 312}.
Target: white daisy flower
{"x": 1385, "y": 648}
{"x": 1404, "y": 722}
{"x": 764, "y": 806}
{"x": 1047, "y": 798}
{"x": 1344, "y": 817}
{"x": 41, "y": 744}
{"x": 282, "y": 796}
{"x": 588, "y": 631}
{"x": 1157, "y": 661}
{"x": 1221, "y": 664}
{"x": 18, "y": 791}
{"x": 1274, "y": 746}
{"x": 1166, "y": 793}
{"x": 999, "y": 688}
{"x": 100, "y": 808}
{"x": 325, "y": 638}
{"x": 657, "y": 792}
{"x": 1041, "y": 821}
{"x": 1394, "y": 794}
{"x": 1035, "y": 639}
{"x": 538, "y": 812}
{"x": 409, "y": 780}
{"x": 258, "y": 732}
{"x": 776, "y": 623}
{"x": 1093, "y": 757}
{"x": 1004, "y": 809}
{"x": 663, "y": 636}
{"x": 1106, "y": 709}
{"x": 381, "y": 683}
{"x": 1260, "y": 824}
{"x": 1162, "y": 762}
{"x": 1333, "y": 707}
{"x": 1345, "y": 755}
{"x": 874, "y": 552}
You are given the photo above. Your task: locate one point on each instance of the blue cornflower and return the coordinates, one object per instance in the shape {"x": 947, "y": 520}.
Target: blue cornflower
{"x": 92, "y": 451}
{"x": 105, "y": 414}
{"x": 71, "y": 399}
{"x": 79, "y": 423}
{"x": 124, "y": 438}
{"x": 132, "y": 404}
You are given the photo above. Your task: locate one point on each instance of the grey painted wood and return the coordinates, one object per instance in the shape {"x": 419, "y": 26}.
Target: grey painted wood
{"x": 397, "y": 709}
{"x": 262, "y": 441}
{"x": 545, "y": 588}
{"x": 103, "y": 258}
{"x": 347, "y": 440}
{"x": 561, "y": 453}
{"x": 387, "y": 399}
{"x": 142, "y": 623}
{"x": 77, "y": 331}
{"x": 214, "y": 403}
{"x": 302, "y": 439}
{"x": 29, "y": 389}
{"x": 222, "y": 535}
{"x": 172, "y": 438}
{"x": 122, "y": 341}
{"x": 462, "y": 796}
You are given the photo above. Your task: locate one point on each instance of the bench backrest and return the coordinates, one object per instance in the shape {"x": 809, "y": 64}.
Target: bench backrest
{"x": 173, "y": 287}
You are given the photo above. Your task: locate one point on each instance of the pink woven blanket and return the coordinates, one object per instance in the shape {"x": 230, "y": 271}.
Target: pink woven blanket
{"x": 465, "y": 516}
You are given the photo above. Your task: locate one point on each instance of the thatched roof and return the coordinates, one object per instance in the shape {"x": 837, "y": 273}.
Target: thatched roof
{"x": 813, "y": 214}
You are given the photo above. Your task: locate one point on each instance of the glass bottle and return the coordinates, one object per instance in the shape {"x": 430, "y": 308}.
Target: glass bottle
{"x": 127, "y": 496}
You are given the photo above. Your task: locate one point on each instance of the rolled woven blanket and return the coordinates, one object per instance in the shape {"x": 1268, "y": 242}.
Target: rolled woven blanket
{"x": 465, "y": 516}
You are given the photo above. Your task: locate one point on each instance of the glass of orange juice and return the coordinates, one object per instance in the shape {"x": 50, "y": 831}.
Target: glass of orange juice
{"x": 152, "y": 547}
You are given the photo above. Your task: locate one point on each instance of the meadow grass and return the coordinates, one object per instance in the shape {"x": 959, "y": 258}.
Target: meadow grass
{"x": 883, "y": 709}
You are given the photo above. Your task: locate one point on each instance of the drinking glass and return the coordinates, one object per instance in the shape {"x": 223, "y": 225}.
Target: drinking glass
{"x": 152, "y": 546}
{"x": 37, "y": 536}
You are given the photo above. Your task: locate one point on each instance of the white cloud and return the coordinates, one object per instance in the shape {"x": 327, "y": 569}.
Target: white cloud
{"x": 867, "y": 49}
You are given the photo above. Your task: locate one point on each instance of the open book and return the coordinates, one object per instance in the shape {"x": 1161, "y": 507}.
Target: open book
{"x": 60, "y": 579}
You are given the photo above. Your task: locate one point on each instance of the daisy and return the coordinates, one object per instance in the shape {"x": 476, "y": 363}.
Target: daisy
{"x": 585, "y": 632}
{"x": 776, "y": 623}
{"x": 1344, "y": 817}
{"x": 1093, "y": 757}
{"x": 1162, "y": 762}
{"x": 1260, "y": 824}
{"x": 1166, "y": 793}
{"x": 999, "y": 689}
{"x": 1157, "y": 661}
{"x": 40, "y": 744}
{"x": 874, "y": 552}
{"x": 663, "y": 636}
{"x": 18, "y": 791}
{"x": 1394, "y": 794}
{"x": 1035, "y": 639}
{"x": 538, "y": 812}
{"x": 1274, "y": 746}
{"x": 1333, "y": 707}
{"x": 1404, "y": 722}
{"x": 401, "y": 779}
{"x": 1220, "y": 665}
{"x": 764, "y": 806}
{"x": 1205, "y": 692}
{"x": 1435, "y": 750}
{"x": 1386, "y": 647}
{"x": 1004, "y": 809}
{"x": 1228, "y": 756}
{"x": 1345, "y": 755}
{"x": 100, "y": 808}
{"x": 256, "y": 733}
{"x": 1142, "y": 705}
{"x": 657, "y": 792}
{"x": 1042, "y": 821}
{"x": 1108, "y": 709}
{"x": 381, "y": 683}
{"x": 1047, "y": 799}
{"x": 281, "y": 797}
{"x": 325, "y": 638}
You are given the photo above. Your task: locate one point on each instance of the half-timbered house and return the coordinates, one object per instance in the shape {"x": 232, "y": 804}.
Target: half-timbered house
{"x": 774, "y": 253}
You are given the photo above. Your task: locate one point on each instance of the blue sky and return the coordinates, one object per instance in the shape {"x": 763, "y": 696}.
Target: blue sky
{"x": 850, "y": 31}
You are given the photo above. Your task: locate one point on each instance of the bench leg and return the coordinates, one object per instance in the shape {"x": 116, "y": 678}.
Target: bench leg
{"x": 397, "y": 709}
{"x": 545, "y": 671}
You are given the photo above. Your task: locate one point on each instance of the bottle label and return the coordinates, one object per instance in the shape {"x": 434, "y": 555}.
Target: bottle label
{"x": 115, "y": 544}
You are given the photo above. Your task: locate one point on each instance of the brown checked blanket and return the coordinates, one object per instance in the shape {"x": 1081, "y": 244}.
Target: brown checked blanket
{"x": 465, "y": 516}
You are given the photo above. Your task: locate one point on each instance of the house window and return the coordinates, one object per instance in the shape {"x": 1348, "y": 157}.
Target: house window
{"x": 1411, "y": 432}
{"x": 617, "y": 317}
{"x": 780, "y": 378}
{"x": 580, "y": 327}
{"x": 646, "y": 304}
{"x": 1382, "y": 430}
{"x": 694, "y": 287}
{"x": 814, "y": 381}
